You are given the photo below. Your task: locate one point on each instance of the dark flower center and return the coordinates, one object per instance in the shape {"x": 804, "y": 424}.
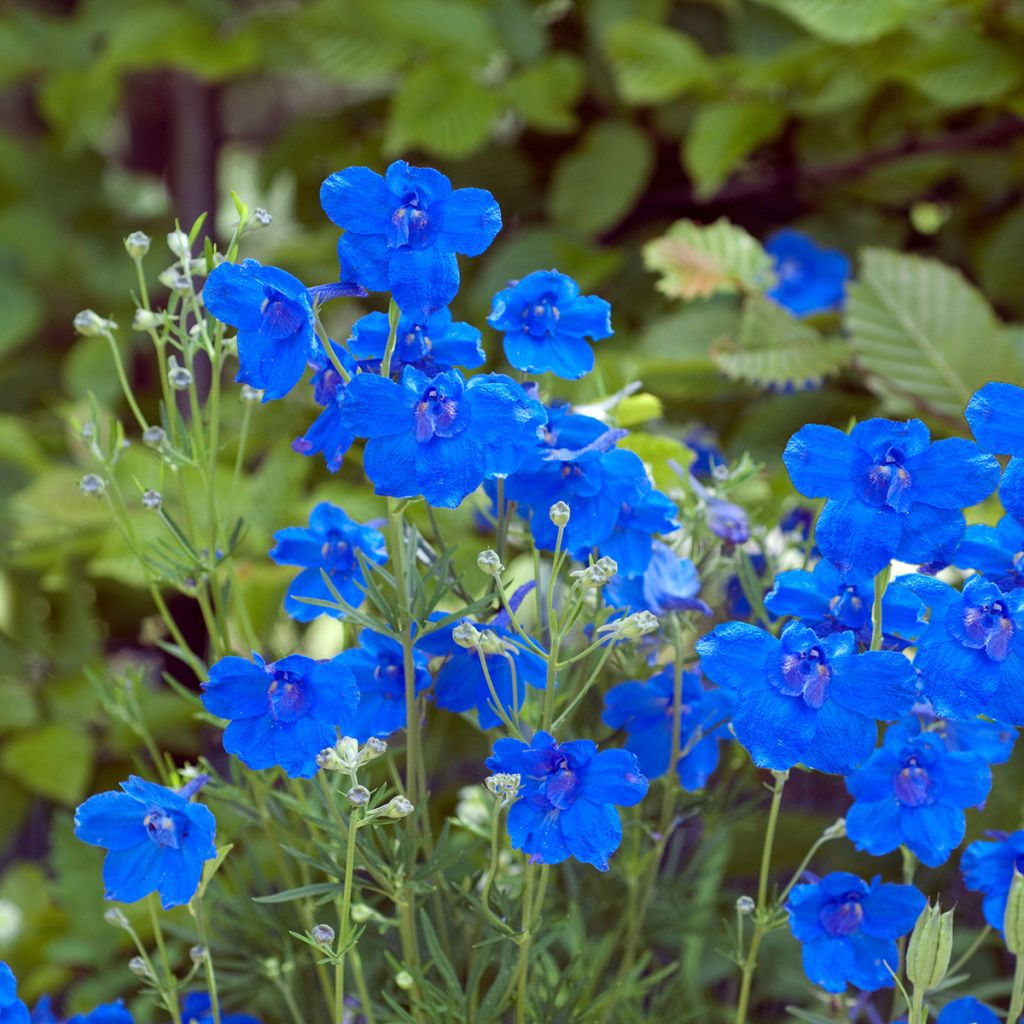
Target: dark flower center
{"x": 848, "y": 607}
{"x": 392, "y": 679}
{"x": 807, "y": 673}
{"x": 414, "y": 345}
{"x": 165, "y": 828}
{"x": 842, "y": 916}
{"x": 410, "y": 225}
{"x": 281, "y": 315}
{"x": 540, "y": 317}
{"x": 437, "y": 415}
{"x": 289, "y": 697}
{"x": 889, "y": 483}
{"x": 337, "y": 552}
{"x": 913, "y": 786}
{"x": 562, "y": 784}
{"x": 988, "y": 626}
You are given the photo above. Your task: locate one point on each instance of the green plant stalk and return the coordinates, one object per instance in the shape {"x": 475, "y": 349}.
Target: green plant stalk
{"x": 345, "y": 918}
{"x": 749, "y": 965}
{"x": 1017, "y": 993}
{"x": 196, "y": 908}
{"x": 123, "y": 379}
{"x": 918, "y": 1011}
{"x": 389, "y": 349}
{"x": 170, "y": 979}
{"x": 881, "y": 582}
{"x": 523, "y": 966}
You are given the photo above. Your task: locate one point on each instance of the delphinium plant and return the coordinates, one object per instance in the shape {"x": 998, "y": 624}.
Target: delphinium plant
{"x": 618, "y": 638}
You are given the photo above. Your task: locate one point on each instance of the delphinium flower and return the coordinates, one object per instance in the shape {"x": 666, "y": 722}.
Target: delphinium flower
{"x": 988, "y": 867}
{"x": 893, "y": 494}
{"x": 331, "y": 544}
{"x": 439, "y": 437}
{"x": 281, "y": 712}
{"x": 971, "y": 656}
{"x": 809, "y": 279}
{"x": 461, "y": 684}
{"x": 967, "y": 1011}
{"x": 806, "y": 699}
{"x": 196, "y": 1008}
{"x": 996, "y": 416}
{"x": 645, "y": 711}
{"x": 108, "y": 1013}
{"x": 997, "y": 552}
{"x": 990, "y": 740}
{"x": 848, "y": 929}
{"x": 378, "y": 668}
{"x": 431, "y": 344}
{"x": 567, "y": 798}
{"x": 828, "y": 602}
{"x": 12, "y": 1009}
{"x": 328, "y": 435}
{"x": 630, "y": 543}
{"x": 157, "y": 839}
{"x": 912, "y": 792}
{"x": 669, "y": 584}
{"x": 403, "y": 229}
{"x": 546, "y": 321}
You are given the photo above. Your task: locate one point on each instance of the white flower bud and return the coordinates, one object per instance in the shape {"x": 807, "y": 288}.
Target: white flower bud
{"x": 489, "y": 562}
{"x": 179, "y": 377}
{"x": 631, "y": 627}
{"x": 465, "y": 634}
{"x": 92, "y": 484}
{"x": 146, "y": 320}
{"x": 178, "y": 243}
{"x": 261, "y": 218}
{"x": 491, "y": 643}
{"x": 89, "y": 324}
{"x": 504, "y": 787}
{"x": 137, "y": 244}
{"x": 358, "y": 796}
{"x": 115, "y": 916}
{"x": 1013, "y": 920}
{"x": 197, "y": 954}
{"x": 397, "y": 807}
{"x": 596, "y": 575}
{"x": 404, "y": 981}
{"x": 745, "y": 905}
{"x": 931, "y": 944}
{"x": 154, "y": 437}
{"x": 152, "y": 499}
{"x": 139, "y": 968}
{"x": 372, "y": 749}
{"x": 250, "y": 394}
{"x": 322, "y": 933}
{"x": 559, "y": 513}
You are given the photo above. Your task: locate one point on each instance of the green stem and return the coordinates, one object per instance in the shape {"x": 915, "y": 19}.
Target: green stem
{"x": 1017, "y": 997}
{"x": 389, "y": 349}
{"x": 523, "y": 966}
{"x": 881, "y": 582}
{"x": 171, "y": 980}
{"x": 123, "y": 378}
{"x": 196, "y": 907}
{"x": 345, "y": 918}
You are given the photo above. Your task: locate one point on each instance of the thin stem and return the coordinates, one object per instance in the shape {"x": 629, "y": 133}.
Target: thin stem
{"x": 345, "y": 919}
{"x": 158, "y": 935}
{"x": 523, "y": 967}
{"x": 123, "y": 378}
{"x": 389, "y": 349}
{"x": 881, "y": 582}
{"x": 196, "y": 907}
{"x": 1017, "y": 998}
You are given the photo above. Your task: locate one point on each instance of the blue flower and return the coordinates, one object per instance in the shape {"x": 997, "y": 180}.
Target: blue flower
{"x": 912, "y": 792}
{"x": 402, "y": 231}
{"x": 988, "y": 868}
{"x": 431, "y": 344}
{"x": 967, "y": 1011}
{"x": 42, "y": 1012}
{"x": 331, "y": 544}
{"x": 12, "y": 1009}
{"x": 108, "y": 1013}
{"x": 438, "y": 437}
{"x": 281, "y": 712}
{"x": 196, "y": 1008}
{"x": 156, "y": 837}
{"x": 545, "y": 320}
{"x": 848, "y": 929}
{"x": 568, "y": 796}
{"x": 273, "y": 314}
{"x": 461, "y": 684}
{"x": 993, "y": 741}
{"x": 805, "y": 699}
{"x": 997, "y": 552}
{"x": 725, "y": 519}
{"x": 971, "y": 656}
{"x": 630, "y": 542}
{"x": 893, "y": 493}
{"x": 809, "y": 279}
{"x": 328, "y": 435}
{"x": 669, "y": 584}
{"x": 645, "y": 711}
{"x": 828, "y": 602}
{"x": 996, "y": 416}
{"x": 378, "y": 667}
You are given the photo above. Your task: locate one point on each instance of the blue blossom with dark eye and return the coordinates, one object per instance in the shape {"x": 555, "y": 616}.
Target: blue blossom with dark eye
{"x": 809, "y": 279}
{"x": 996, "y": 416}
{"x": 461, "y": 684}
{"x": 431, "y": 344}
{"x": 281, "y": 712}
{"x": 967, "y": 1011}
{"x": 630, "y": 542}
{"x": 378, "y": 668}
{"x": 893, "y": 494}
{"x": 848, "y": 929}
{"x": 157, "y": 840}
{"x": 912, "y": 792}
{"x": 806, "y": 699}
{"x": 645, "y": 711}
{"x": 988, "y": 867}
{"x": 332, "y": 545}
{"x": 827, "y": 602}
{"x": 568, "y": 797}
{"x": 12, "y": 1009}
{"x": 439, "y": 437}
{"x": 997, "y": 552}
{"x": 971, "y": 656}
{"x": 669, "y": 584}
{"x": 403, "y": 229}
{"x": 196, "y": 1008}
{"x": 328, "y": 435}
{"x": 546, "y": 321}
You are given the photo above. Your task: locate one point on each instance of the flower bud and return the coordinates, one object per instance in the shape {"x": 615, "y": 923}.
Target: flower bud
{"x": 322, "y": 933}
{"x": 745, "y": 905}
{"x": 931, "y": 944}
{"x": 179, "y": 377}
{"x": 152, "y": 499}
{"x": 489, "y": 562}
{"x": 115, "y": 916}
{"x": 491, "y": 643}
{"x": 250, "y": 394}
{"x": 10, "y": 921}
{"x": 597, "y": 575}
{"x": 1013, "y": 922}
{"x": 89, "y": 324}
{"x": 404, "y": 981}
{"x": 92, "y": 484}
{"x": 139, "y": 968}
{"x": 504, "y": 787}
{"x": 837, "y": 830}
{"x": 88, "y": 431}
{"x": 358, "y": 796}
{"x": 154, "y": 436}
{"x": 197, "y": 954}
{"x": 372, "y": 749}
{"x": 174, "y": 279}
{"x": 261, "y": 218}
{"x": 559, "y": 513}
{"x": 397, "y": 807}
{"x": 363, "y": 913}
{"x": 146, "y": 320}
{"x": 178, "y": 243}
{"x": 137, "y": 244}
{"x": 342, "y": 757}
{"x": 465, "y": 634}
{"x": 631, "y": 627}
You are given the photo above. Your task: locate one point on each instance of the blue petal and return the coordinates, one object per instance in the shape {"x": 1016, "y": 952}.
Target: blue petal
{"x": 251, "y": 740}
{"x": 132, "y": 873}
{"x": 564, "y": 356}
{"x": 967, "y": 1011}
{"x": 236, "y": 688}
{"x": 804, "y": 909}
{"x": 614, "y": 777}
{"x": 955, "y": 473}
{"x": 842, "y": 741}
{"x": 874, "y": 826}
{"x": 890, "y": 910}
{"x": 996, "y": 416}
{"x": 968, "y": 779}
{"x": 448, "y": 469}
{"x": 822, "y": 462}
{"x": 957, "y": 680}
{"x": 366, "y": 258}
{"x": 933, "y": 831}
{"x": 592, "y": 831}
{"x": 1011, "y": 490}
{"x": 180, "y": 872}
{"x": 879, "y": 684}
{"x": 357, "y": 199}
{"x": 698, "y": 764}
{"x": 378, "y": 407}
{"x": 858, "y": 538}
{"x": 775, "y": 730}
{"x": 537, "y": 833}
{"x": 369, "y": 336}
{"x": 111, "y": 820}
{"x": 931, "y": 535}
{"x": 874, "y": 962}
{"x": 872, "y": 781}
{"x": 799, "y": 593}
{"x": 588, "y": 316}
{"x": 296, "y": 545}
{"x": 429, "y": 184}
{"x": 271, "y": 365}
{"x": 736, "y": 655}
{"x": 828, "y": 962}
{"x": 334, "y": 690}
{"x": 423, "y": 280}
{"x": 876, "y": 436}
{"x": 234, "y": 295}
{"x": 1007, "y": 703}
{"x": 470, "y": 220}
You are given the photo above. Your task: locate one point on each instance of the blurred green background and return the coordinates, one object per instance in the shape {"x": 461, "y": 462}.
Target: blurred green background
{"x": 596, "y": 125}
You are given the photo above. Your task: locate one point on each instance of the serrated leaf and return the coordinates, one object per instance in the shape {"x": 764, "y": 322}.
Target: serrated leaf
{"x": 596, "y": 184}
{"x": 775, "y": 350}
{"x": 841, "y": 21}
{"x": 544, "y": 95}
{"x": 925, "y": 334}
{"x": 695, "y": 261}
{"x": 723, "y": 135}
{"x": 960, "y": 69}
{"x": 652, "y": 63}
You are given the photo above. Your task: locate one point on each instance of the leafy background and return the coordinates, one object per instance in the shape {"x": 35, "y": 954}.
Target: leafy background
{"x": 874, "y": 126}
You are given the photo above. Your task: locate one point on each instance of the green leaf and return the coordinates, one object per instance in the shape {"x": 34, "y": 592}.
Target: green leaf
{"x": 659, "y": 452}
{"x": 544, "y": 95}
{"x": 596, "y": 184}
{"x": 636, "y": 409}
{"x": 695, "y": 261}
{"x": 961, "y": 69}
{"x": 442, "y": 110}
{"x": 653, "y": 64}
{"x": 925, "y": 334}
{"x": 723, "y": 135}
{"x": 775, "y": 350}
{"x": 841, "y": 21}
{"x": 54, "y": 761}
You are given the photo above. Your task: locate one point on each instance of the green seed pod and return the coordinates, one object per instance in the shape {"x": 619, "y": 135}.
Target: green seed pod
{"x": 1013, "y": 922}
{"x": 931, "y": 944}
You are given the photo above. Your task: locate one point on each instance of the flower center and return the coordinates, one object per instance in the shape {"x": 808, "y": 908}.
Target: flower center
{"x": 281, "y": 317}
{"x": 848, "y": 607}
{"x": 913, "y": 786}
{"x": 807, "y": 673}
{"x": 989, "y": 626}
{"x": 288, "y": 696}
{"x": 889, "y": 483}
{"x": 562, "y": 784}
{"x": 410, "y": 225}
{"x": 336, "y": 552}
{"x": 414, "y": 345}
{"x": 165, "y": 828}
{"x": 437, "y": 415}
{"x": 540, "y": 318}
{"x": 843, "y": 916}
{"x": 789, "y": 271}
{"x": 392, "y": 679}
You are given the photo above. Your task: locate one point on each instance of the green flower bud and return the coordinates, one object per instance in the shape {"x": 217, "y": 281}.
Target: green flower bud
{"x": 89, "y": 324}
{"x": 489, "y": 562}
{"x": 404, "y": 980}
{"x": 559, "y": 513}
{"x": 1013, "y": 922}
{"x": 465, "y": 634}
{"x": 931, "y": 944}
{"x": 397, "y": 807}
{"x": 137, "y": 244}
